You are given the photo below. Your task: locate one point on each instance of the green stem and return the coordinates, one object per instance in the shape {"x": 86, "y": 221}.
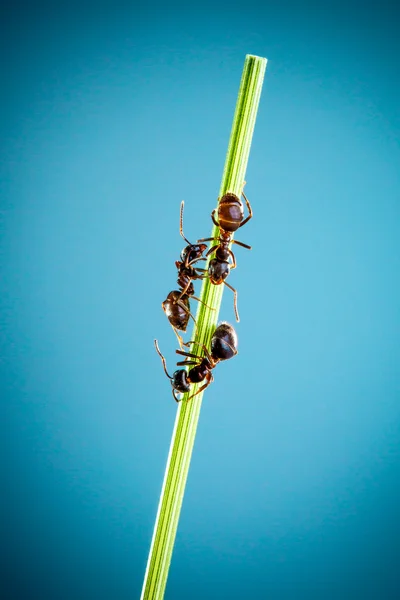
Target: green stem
{"x": 188, "y": 412}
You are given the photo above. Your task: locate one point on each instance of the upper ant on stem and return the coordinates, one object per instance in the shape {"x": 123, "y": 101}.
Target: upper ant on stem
{"x": 223, "y": 346}
{"x": 176, "y": 305}
{"x": 231, "y": 218}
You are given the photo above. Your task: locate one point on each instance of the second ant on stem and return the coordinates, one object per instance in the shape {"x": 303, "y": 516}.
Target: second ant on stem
{"x": 177, "y": 305}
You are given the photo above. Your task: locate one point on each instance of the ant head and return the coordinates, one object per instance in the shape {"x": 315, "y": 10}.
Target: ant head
{"x": 191, "y": 252}
{"x": 218, "y": 270}
{"x": 180, "y": 382}
{"x": 185, "y": 252}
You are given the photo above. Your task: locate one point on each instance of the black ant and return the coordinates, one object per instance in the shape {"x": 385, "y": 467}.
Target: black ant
{"x": 231, "y": 217}
{"x": 223, "y": 346}
{"x": 176, "y": 305}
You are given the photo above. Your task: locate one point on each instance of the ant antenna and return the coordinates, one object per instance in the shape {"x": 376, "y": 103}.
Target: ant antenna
{"x": 162, "y": 358}
{"x": 181, "y": 224}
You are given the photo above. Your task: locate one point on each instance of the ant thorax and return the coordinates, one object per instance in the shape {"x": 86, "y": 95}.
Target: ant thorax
{"x": 199, "y": 372}
{"x": 222, "y": 252}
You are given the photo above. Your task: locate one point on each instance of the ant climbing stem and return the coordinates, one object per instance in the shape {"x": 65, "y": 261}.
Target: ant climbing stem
{"x": 223, "y": 347}
{"x": 177, "y": 304}
{"x": 230, "y": 219}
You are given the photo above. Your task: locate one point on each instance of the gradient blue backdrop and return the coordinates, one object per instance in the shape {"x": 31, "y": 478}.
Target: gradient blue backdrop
{"x": 111, "y": 115}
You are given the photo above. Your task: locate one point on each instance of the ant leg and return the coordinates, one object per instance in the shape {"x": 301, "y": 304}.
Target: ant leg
{"x": 180, "y": 339}
{"x": 195, "y": 260}
{"x": 233, "y": 265}
{"x": 207, "y": 239}
{"x": 185, "y": 363}
{"x": 212, "y": 249}
{"x": 186, "y": 310}
{"x": 213, "y": 218}
{"x": 174, "y": 395}
{"x": 200, "y": 275}
{"x": 181, "y": 223}
{"x": 198, "y": 299}
{"x": 247, "y": 219}
{"x": 184, "y": 290}
{"x": 190, "y": 354}
{"x": 192, "y": 262}
{"x": 234, "y": 300}
{"x": 210, "y": 379}
{"x": 206, "y": 352}
{"x": 162, "y": 358}
{"x": 241, "y": 244}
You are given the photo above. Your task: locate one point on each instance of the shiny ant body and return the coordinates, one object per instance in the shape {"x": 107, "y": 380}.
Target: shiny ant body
{"x": 176, "y": 305}
{"x": 230, "y": 219}
{"x": 223, "y": 346}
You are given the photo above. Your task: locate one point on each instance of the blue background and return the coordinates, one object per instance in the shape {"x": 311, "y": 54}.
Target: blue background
{"x": 111, "y": 115}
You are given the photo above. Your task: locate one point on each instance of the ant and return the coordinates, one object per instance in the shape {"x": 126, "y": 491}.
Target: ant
{"x": 176, "y": 305}
{"x": 231, "y": 217}
{"x": 223, "y": 346}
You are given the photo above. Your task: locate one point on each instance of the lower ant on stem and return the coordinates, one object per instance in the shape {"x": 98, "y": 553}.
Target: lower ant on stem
{"x": 223, "y": 346}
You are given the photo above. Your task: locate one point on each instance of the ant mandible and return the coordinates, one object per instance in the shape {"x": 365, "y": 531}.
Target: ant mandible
{"x": 223, "y": 346}
{"x": 231, "y": 218}
{"x": 176, "y": 305}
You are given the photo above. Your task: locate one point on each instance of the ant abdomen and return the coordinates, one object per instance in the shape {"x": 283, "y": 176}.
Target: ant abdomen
{"x": 224, "y": 342}
{"x": 230, "y": 212}
{"x": 178, "y": 313}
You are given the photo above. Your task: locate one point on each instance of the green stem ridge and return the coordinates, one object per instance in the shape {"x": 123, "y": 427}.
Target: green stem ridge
{"x": 187, "y": 417}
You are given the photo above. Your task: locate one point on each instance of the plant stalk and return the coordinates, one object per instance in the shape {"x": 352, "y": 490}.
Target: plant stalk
{"x": 187, "y": 417}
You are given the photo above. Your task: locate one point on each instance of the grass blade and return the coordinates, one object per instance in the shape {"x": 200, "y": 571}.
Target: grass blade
{"x": 188, "y": 412}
